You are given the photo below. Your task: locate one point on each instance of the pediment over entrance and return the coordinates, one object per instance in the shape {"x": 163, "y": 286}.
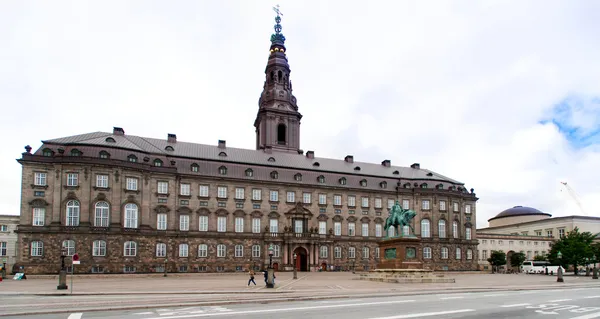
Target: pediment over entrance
{"x": 162, "y": 209}
{"x": 299, "y": 211}
{"x": 322, "y": 217}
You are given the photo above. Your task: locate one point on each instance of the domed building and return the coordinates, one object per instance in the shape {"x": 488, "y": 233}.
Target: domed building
{"x": 516, "y": 215}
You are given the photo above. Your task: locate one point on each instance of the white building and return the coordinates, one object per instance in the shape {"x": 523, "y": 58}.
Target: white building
{"x": 8, "y": 240}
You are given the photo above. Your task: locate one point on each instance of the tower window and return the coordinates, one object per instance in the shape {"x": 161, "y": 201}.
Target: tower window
{"x": 279, "y": 76}
{"x": 281, "y": 134}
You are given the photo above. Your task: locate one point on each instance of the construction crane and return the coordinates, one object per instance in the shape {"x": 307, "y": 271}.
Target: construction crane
{"x": 574, "y": 196}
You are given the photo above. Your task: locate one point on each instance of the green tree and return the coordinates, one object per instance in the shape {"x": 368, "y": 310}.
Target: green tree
{"x": 575, "y": 247}
{"x": 516, "y": 259}
{"x": 540, "y": 258}
{"x": 497, "y": 258}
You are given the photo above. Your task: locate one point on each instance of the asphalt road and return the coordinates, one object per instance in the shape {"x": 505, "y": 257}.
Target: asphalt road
{"x": 577, "y": 303}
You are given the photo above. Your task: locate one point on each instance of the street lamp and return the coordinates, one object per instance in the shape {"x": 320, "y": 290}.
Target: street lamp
{"x": 62, "y": 275}
{"x": 165, "y": 268}
{"x": 559, "y": 277}
{"x": 295, "y": 275}
{"x": 270, "y": 271}
{"x": 271, "y": 255}
{"x": 595, "y": 271}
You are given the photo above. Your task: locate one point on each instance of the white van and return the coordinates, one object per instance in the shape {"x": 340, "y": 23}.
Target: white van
{"x": 539, "y": 267}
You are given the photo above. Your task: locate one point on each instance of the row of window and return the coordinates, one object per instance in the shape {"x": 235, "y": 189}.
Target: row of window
{"x": 511, "y": 242}
{"x": 131, "y": 212}
{"x": 102, "y": 181}
{"x": 483, "y": 255}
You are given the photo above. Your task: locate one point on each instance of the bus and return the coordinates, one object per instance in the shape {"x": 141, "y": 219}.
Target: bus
{"x": 539, "y": 267}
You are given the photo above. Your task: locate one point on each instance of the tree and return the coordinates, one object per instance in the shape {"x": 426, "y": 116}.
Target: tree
{"x": 497, "y": 258}
{"x": 575, "y": 247}
{"x": 540, "y": 258}
{"x": 516, "y": 259}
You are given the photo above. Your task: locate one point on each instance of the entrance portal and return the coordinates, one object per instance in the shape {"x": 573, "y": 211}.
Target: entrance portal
{"x": 301, "y": 259}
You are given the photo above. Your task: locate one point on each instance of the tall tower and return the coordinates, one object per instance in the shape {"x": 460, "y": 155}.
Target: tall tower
{"x": 278, "y": 120}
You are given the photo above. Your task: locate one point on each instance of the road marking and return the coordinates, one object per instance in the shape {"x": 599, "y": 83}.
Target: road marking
{"x": 75, "y": 315}
{"x": 515, "y": 305}
{"x": 590, "y": 316}
{"x": 494, "y": 295}
{"x": 426, "y": 314}
{"x": 446, "y": 298}
{"x": 288, "y": 309}
{"x": 590, "y": 297}
{"x": 290, "y": 282}
{"x": 144, "y": 313}
{"x": 559, "y": 300}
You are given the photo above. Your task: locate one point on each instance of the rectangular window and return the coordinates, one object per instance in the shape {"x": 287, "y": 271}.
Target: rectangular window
{"x": 256, "y": 225}
{"x": 455, "y": 205}
{"x": 425, "y": 204}
{"x": 256, "y": 194}
{"x": 378, "y": 203}
{"x": 183, "y": 250}
{"x": 72, "y": 179}
{"x": 256, "y": 251}
{"x": 468, "y": 233}
{"x": 161, "y": 221}
{"x": 377, "y": 252}
{"x": 202, "y": 250}
{"x": 378, "y": 230}
{"x": 203, "y": 191}
{"x": 322, "y": 199}
{"x": 239, "y": 193}
{"x": 203, "y": 223}
{"x": 323, "y": 228}
{"x": 364, "y": 201}
{"x": 3, "y": 246}
{"x": 366, "y": 252}
{"x": 222, "y": 192}
{"x": 185, "y": 189}
{"x": 390, "y": 203}
{"x": 291, "y": 197}
{"x": 323, "y": 252}
{"x": 184, "y": 222}
{"x": 102, "y": 181}
{"x": 337, "y": 228}
{"x": 222, "y": 224}
{"x": 221, "y": 250}
{"x": 337, "y": 200}
{"x": 274, "y": 196}
{"x": 561, "y": 232}
{"x": 239, "y": 224}
{"x": 351, "y": 201}
{"x": 306, "y": 198}
{"x": 405, "y": 204}
{"x": 467, "y": 209}
{"x": 365, "y": 230}
{"x": 39, "y": 214}
{"x": 273, "y": 225}
{"x": 161, "y": 250}
{"x": 99, "y": 248}
{"x": 276, "y": 251}
{"x": 163, "y": 188}
{"x": 40, "y": 179}
{"x": 442, "y": 205}
{"x": 239, "y": 251}
{"x": 351, "y": 229}
{"x": 37, "y": 248}
{"x": 298, "y": 227}
{"x": 132, "y": 184}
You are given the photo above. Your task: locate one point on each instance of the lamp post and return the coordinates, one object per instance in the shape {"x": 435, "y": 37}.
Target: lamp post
{"x": 270, "y": 272}
{"x": 271, "y": 255}
{"x": 559, "y": 277}
{"x": 165, "y": 268}
{"x": 595, "y": 271}
{"x": 295, "y": 274}
{"x": 353, "y": 261}
{"x": 587, "y": 267}
{"x": 62, "y": 275}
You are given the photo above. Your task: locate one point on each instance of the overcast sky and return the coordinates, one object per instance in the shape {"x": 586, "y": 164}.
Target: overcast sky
{"x": 501, "y": 95}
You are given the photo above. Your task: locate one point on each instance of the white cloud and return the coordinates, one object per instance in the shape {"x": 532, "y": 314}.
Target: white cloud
{"x": 459, "y": 87}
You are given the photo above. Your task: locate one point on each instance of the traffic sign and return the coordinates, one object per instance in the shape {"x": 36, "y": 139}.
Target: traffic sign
{"x": 75, "y": 258}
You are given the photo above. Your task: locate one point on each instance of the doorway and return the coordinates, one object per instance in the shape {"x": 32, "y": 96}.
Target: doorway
{"x": 301, "y": 259}
{"x": 276, "y": 266}
{"x": 323, "y": 267}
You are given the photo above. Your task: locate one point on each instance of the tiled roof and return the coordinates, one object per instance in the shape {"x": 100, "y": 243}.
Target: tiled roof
{"x": 248, "y": 156}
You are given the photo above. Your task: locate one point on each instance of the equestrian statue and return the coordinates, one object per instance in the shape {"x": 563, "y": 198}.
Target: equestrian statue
{"x": 399, "y": 218}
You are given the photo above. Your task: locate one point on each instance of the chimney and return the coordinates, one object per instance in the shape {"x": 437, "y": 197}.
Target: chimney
{"x": 222, "y": 143}
{"x": 118, "y": 131}
{"x": 416, "y": 166}
{"x": 386, "y": 163}
{"x": 349, "y": 159}
{"x": 310, "y": 154}
{"x": 171, "y": 138}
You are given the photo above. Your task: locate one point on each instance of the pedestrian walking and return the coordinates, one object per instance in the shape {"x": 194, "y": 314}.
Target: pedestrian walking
{"x": 251, "y": 280}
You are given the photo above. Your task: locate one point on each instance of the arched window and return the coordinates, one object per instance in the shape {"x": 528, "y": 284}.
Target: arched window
{"x": 158, "y": 163}
{"x": 131, "y": 215}
{"x": 169, "y": 148}
{"x": 405, "y": 230}
{"x": 104, "y": 154}
{"x": 454, "y": 229}
{"x": 281, "y": 136}
{"x": 183, "y": 250}
{"x": 383, "y": 184}
{"x": 110, "y": 140}
{"x": 47, "y": 152}
{"x": 249, "y": 172}
{"x": 101, "y": 216}
{"x": 427, "y": 252}
{"x": 343, "y": 181}
{"x": 279, "y": 76}
{"x": 458, "y": 253}
{"x": 391, "y": 232}
{"x": 442, "y": 228}
{"x": 425, "y": 228}
{"x": 363, "y": 183}
{"x": 72, "y": 213}
{"x": 239, "y": 251}
{"x": 69, "y": 247}
{"x": 444, "y": 253}
{"x": 195, "y": 167}
{"x": 298, "y": 177}
{"x": 132, "y": 158}
{"x": 321, "y": 179}
{"x": 75, "y": 152}
{"x": 130, "y": 249}
{"x": 161, "y": 250}
{"x": 99, "y": 248}
{"x": 274, "y": 175}
{"x": 469, "y": 254}
{"x": 222, "y": 170}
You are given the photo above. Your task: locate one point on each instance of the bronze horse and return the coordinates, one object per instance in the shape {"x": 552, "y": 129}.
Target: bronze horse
{"x": 399, "y": 218}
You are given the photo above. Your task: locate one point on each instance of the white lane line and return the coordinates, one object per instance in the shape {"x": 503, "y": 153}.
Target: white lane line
{"x": 288, "y": 309}
{"x": 494, "y": 295}
{"x": 590, "y": 297}
{"x": 515, "y": 305}
{"x": 559, "y": 300}
{"x": 75, "y": 315}
{"x": 588, "y": 316}
{"x": 426, "y": 314}
{"x": 446, "y": 298}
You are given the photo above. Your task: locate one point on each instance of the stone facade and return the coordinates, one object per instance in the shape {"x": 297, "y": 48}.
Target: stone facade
{"x": 101, "y": 192}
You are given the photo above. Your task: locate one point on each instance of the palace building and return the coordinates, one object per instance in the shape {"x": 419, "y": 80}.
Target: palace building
{"x": 126, "y": 203}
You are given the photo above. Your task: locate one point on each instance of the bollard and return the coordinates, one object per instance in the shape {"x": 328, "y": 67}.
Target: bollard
{"x": 559, "y": 277}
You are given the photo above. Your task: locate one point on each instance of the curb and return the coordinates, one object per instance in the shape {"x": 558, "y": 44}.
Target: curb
{"x": 290, "y": 298}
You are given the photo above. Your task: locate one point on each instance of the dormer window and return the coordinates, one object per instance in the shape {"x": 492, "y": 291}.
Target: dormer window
{"x": 363, "y": 183}
{"x": 343, "y": 181}
{"x": 158, "y": 163}
{"x": 110, "y": 140}
{"x": 271, "y": 159}
{"x": 75, "y": 152}
{"x": 316, "y": 164}
{"x": 298, "y": 177}
{"x": 430, "y": 174}
{"x": 383, "y": 184}
{"x": 249, "y": 173}
{"x": 223, "y": 154}
{"x": 396, "y": 173}
{"x": 321, "y": 179}
{"x": 104, "y": 154}
{"x": 169, "y": 148}
{"x": 132, "y": 158}
{"x": 406, "y": 185}
{"x": 47, "y": 152}
{"x": 195, "y": 168}
{"x": 424, "y": 185}
{"x": 357, "y": 168}
{"x": 274, "y": 175}
{"x": 222, "y": 170}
